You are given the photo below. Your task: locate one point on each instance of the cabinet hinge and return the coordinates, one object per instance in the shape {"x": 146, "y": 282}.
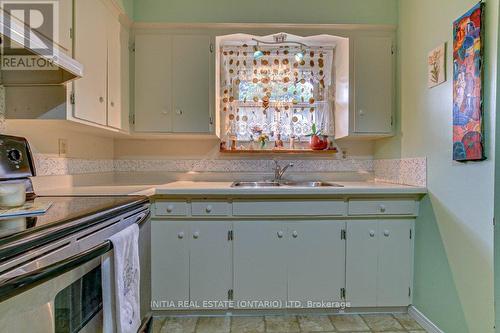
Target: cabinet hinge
{"x": 211, "y": 120}
{"x": 211, "y": 48}
{"x": 393, "y": 49}
{"x": 230, "y": 235}
{"x": 409, "y": 292}
{"x": 71, "y": 33}
{"x": 392, "y": 121}
{"x": 342, "y": 293}
{"x": 132, "y": 119}
{"x": 411, "y": 234}
{"x": 230, "y": 294}
{"x": 72, "y": 98}
{"x": 343, "y": 234}
{"x": 131, "y": 47}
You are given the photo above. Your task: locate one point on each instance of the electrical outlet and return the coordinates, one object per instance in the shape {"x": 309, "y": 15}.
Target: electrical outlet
{"x": 63, "y": 147}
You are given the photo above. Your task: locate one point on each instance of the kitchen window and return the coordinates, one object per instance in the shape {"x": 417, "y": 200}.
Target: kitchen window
{"x": 274, "y": 95}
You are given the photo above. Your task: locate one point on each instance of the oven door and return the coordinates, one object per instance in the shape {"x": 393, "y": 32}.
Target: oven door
{"x": 71, "y": 302}
{"x": 59, "y": 289}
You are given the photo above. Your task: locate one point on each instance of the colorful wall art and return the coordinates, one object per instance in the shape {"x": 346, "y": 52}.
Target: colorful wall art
{"x": 468, "y": 129}
{"x": 436, "y": 63}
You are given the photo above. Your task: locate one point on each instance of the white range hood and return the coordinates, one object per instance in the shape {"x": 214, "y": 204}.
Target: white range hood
{"x": 23, "y": 62}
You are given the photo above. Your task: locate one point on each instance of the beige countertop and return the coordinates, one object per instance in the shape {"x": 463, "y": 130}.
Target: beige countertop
{"x": 187, "y": 188}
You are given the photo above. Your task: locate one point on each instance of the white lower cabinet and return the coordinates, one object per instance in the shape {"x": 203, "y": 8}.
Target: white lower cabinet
{"x": 259, "y": 262}
{"x": 394, "y": 263}
{"x": 210, "y": 273}
{"x": 301, "y": 261}
{"x": 378, "y": 263}
{"x": 169, "y": 263}
{"x": 316, "y": 262}
{"x": 191, "y": 264}
{"x": 277, "y": 262}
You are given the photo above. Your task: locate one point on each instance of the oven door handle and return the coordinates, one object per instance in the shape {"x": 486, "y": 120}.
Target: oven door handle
{"x": 19, "y": 284}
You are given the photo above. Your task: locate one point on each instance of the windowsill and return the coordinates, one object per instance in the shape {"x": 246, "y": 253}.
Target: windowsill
{"x": 278, "y": 151}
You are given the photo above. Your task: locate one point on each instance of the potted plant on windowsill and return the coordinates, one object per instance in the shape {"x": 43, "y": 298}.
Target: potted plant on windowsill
{"x": 318, "y": 140}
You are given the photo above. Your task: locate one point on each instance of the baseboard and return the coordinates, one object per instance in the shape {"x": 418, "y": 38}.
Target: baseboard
{"x": 423, "y": 321}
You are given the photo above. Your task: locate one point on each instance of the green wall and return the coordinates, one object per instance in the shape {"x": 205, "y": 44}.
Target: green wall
{"x": 454, "y": 284}
{"x": 128, "y": 6}
{"x": 273, "y": 11}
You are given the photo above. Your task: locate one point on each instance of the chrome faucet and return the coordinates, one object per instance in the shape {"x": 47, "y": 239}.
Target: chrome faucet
{"x": 280, "y": 171}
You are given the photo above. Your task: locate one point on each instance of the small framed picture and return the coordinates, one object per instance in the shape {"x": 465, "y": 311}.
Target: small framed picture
{"x": 437, "y": 66}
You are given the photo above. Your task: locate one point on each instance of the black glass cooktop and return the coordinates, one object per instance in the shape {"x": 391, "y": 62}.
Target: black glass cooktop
{"x": 65, "y": 215}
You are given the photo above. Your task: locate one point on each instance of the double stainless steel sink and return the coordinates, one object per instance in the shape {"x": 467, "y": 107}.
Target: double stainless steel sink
{"x": 266, "y": 184}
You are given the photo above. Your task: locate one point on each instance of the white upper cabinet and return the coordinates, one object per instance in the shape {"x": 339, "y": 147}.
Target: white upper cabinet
{"x": 374, "y": 85}
{"x": 114, "y": 71}
{"x": 173, "y": 83}
{"x": 91, "y": 45}
{"x": 372, "y": 89}
{"x": 101, "y": 96}
{"x": 64, "y": 40}
{"x": 153, "y": 83}
{"x": 191, "y": 74}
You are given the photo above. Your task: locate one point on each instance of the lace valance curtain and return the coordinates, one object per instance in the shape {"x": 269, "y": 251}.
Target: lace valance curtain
{"x": 281, "y": 94}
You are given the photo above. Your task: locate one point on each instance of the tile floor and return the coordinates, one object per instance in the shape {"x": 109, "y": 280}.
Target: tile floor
{"x": 373, "y": 323}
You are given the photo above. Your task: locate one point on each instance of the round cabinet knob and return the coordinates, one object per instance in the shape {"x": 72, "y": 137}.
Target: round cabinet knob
{"x": 372, "y": 233}
{"x": 170, "y": 209}
{"x": 101, "y": 99}
{"x": 280, "y": 234}
{"x": 180, "y": 235}
{"x": 196, "y": 235}
{"x": 112, "y": 104}
{"x": 361, "y": 112}
{"x": 295, "y": 234}
{"x": 386, "y": 233}
{"x": 178, "y": 112}
{"x": 382, "y": 208}
{"x": 209, "y": 209}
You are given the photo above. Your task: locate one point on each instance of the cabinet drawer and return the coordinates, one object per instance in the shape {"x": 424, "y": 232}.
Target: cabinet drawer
{"x": 382, "y": 207}
{"x": 171, "y": 208}
{"x": 289, "y": 207}
{"x": 210, "y": 208}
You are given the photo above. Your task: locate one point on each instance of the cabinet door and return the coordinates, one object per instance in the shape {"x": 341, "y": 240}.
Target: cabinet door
{"x": 191, "y": 84}
{"x": 394, "y": 263}
{"x": 114, "y": 72}
{"x": 316, "y": 261}
{"x": 91, "y": 50}
{"x": 65, "y": 26}
{"x": 125, "y": 78}
{"x": 374, "y": 85}
{"x": 210, "y": 276}
{"x": 259, "y": 261}
{"x": 169, "y": 263}
{"x": 153, "y": 83}
{"x": 362, "y": 263}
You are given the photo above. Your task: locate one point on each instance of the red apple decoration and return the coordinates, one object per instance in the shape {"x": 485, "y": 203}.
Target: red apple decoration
{"x": 319, "y": 142}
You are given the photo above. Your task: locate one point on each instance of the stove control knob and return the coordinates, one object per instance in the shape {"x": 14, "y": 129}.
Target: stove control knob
{"x": 14, "y": 155}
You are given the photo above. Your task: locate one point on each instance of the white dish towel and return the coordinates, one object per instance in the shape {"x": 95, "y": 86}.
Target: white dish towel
{"x": 120, "y": 283}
